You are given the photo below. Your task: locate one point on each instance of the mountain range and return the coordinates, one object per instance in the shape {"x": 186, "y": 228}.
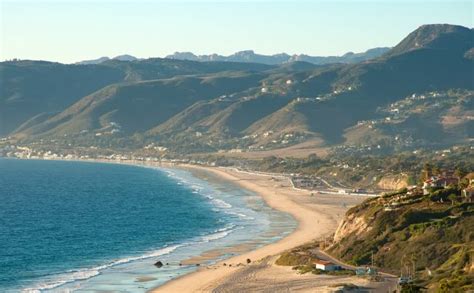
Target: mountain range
{"x": 250, "y": 56}
{"x": 420, "y": 92}
{"x": 103, "y": 59}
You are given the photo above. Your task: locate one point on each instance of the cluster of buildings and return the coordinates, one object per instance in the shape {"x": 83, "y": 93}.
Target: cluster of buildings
{"x": 360, "y": 149}
{"x": 322, "y": 186}
{"x": 439, "y": 181}
{"x": 305, "y": 182}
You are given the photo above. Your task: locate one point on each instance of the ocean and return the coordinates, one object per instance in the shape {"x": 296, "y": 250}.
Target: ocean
{"x": 78, "y": 226}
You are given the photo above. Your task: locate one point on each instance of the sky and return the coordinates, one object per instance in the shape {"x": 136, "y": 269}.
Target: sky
{"x": 70, "y": 30}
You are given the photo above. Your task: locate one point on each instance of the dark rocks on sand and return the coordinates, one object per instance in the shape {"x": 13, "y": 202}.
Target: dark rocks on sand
{"x": 248, "y": 260}
{"x": 158, "y": 264}
{"x": 198, "y": 264}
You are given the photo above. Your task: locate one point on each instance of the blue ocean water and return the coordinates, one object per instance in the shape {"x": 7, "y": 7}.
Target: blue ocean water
{"x": 68, "y": 226}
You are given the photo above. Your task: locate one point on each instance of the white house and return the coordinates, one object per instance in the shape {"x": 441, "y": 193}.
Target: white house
{"x": 326, "y": 265}
{"x": 468, "y": 193}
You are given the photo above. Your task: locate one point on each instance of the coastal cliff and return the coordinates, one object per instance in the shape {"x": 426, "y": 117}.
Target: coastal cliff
{"x": 393, "y": 182}
{"x": 426, "y": 237}
{"x": 351, "y": 225}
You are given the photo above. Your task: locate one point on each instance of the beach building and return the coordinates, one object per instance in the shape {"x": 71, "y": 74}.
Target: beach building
{"x": 326, "y": 265}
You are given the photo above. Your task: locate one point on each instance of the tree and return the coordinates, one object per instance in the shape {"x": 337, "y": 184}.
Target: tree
{"x": 411, "y": 180}
{"x": 452, "y": 197}
{"x": 460, "y": 172}
{"x": 427, "y": 171}
{"x": 410, "y": 288}
{"x": 463, "y": 183}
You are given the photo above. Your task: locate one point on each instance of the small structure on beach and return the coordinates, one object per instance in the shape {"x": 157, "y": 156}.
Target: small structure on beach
{"x": 326, "y": 265}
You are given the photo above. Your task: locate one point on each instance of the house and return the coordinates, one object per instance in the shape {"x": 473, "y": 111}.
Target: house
{"x": 326, "y": 265}
{"x": 438, "y": 182}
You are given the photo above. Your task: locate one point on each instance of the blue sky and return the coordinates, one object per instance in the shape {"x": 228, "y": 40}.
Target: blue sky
{"x": 71, "y": 30}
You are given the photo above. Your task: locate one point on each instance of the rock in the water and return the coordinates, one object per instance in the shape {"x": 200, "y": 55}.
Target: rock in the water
{"x": 158, "y": 264}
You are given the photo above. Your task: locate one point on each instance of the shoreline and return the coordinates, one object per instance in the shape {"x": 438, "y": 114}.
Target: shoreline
{"x": 313, "y": 223}
{"x": 316, "y": 217}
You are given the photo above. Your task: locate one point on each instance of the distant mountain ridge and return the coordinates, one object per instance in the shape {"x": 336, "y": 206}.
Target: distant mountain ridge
{"x": 251, "y": 56}
{"x": 103, "y": 59}
{"x": 421, "y": 92}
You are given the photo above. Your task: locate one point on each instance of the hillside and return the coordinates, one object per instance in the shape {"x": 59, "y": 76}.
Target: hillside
{"x": 211, "y": 106}
{"x": 439, "y": 36}
{"x": 32, "y": 88}
{"x": 137, "y": 107}
{"x": 418, "y": 120}
{"x": 404, "y": 230}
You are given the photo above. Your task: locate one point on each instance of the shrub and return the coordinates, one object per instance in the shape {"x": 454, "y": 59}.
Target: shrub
{"x": 293, "y": 259}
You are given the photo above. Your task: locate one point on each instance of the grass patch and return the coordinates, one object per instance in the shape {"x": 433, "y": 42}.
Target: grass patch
{"x": 292, "y": 258}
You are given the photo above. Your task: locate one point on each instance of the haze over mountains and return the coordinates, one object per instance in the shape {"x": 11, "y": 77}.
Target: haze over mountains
{"x": 251, "y": 57}
{"x": 103, "y": 59}
{"x": 418, "y": 93}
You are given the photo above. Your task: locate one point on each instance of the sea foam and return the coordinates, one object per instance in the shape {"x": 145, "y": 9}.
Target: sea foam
{"x": 87, "y": 273}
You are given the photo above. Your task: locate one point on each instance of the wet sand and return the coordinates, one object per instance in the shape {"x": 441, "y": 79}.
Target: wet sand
{"x": 317, "y": 217}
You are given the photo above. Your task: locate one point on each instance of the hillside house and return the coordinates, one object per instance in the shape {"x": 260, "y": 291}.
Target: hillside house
{"x": 326, "y": 265}
{"x": 468, "y": 193}
{"x": 438, "y": 182}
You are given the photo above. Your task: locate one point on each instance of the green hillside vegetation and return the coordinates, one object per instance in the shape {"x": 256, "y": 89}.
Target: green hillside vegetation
{"x": 401, "y": 230}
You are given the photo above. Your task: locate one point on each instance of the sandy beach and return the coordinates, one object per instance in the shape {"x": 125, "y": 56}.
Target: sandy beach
{"x": 317, "y": 216}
